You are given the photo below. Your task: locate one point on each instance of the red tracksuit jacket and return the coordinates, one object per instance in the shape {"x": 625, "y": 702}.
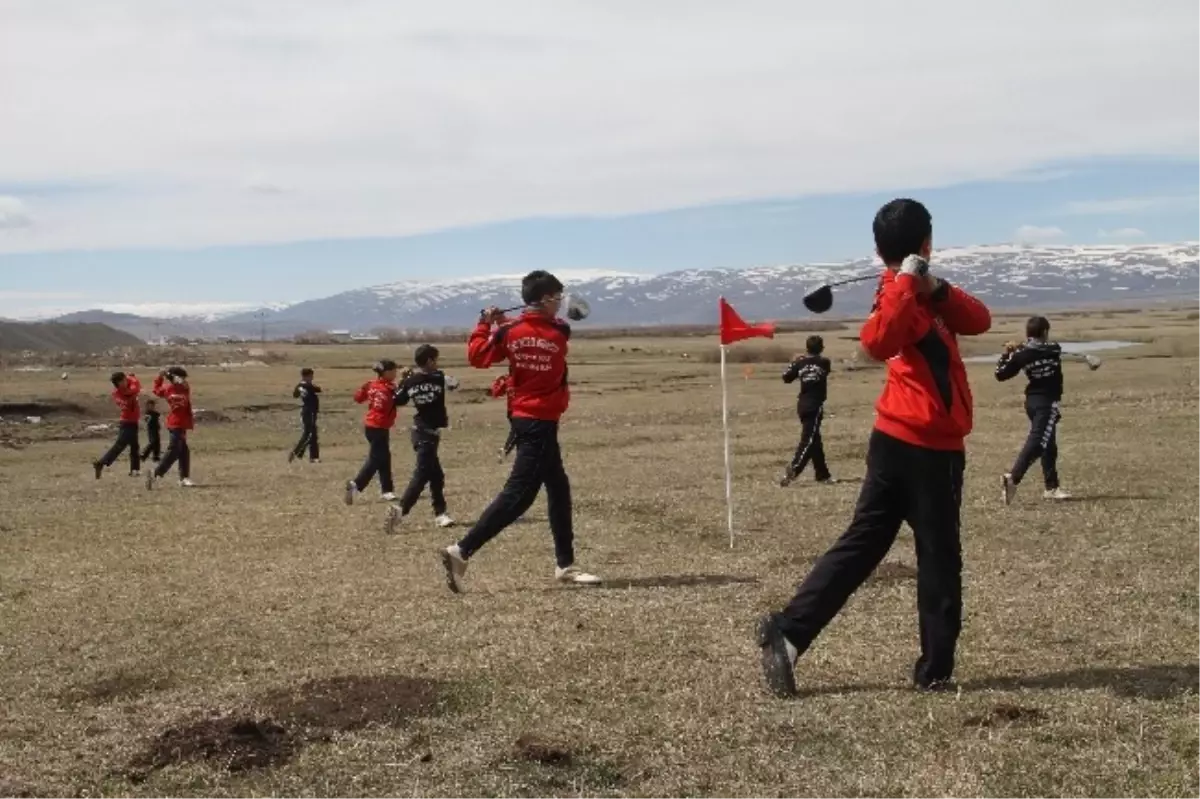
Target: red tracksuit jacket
{"x": 536, "y": 349}
{"x": 179, "y": 401}
{"x": 926, "y": 400}
{"x": 127, "y": 399}
{"x": 380, "y": 398}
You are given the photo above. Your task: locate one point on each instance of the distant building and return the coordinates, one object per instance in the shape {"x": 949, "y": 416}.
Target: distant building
{"x": 364, "y": 337}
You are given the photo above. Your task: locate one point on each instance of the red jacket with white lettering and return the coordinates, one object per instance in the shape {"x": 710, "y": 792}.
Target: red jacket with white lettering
{"x": 126, "y": 398}
{"x": 926, "y": 400}
{"x": 380, "y": 398}
{"x": 535, "y": 347}
{"x": 179, "y": 400}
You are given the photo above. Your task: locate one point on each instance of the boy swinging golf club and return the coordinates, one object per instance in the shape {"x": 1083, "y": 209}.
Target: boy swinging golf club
{"x": 812, "y": 370}
{"x": 309, "y": 394}
{"x": 535, "y": 346}
{"x": 426, "y": 389}
{"x": 914, "y": 459}
{"x": 172, "y": 385}
{"x": 126, "y": 389}
{"x": 1041, "y": 360}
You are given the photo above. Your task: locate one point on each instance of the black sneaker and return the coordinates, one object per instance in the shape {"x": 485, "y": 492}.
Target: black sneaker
{"x": 98, "y": 467}
{"x": 777, "y": 664}
{"x": 788, "y": 477}
{"x": 947, "y": 686}
{"x": 291, "y": 457}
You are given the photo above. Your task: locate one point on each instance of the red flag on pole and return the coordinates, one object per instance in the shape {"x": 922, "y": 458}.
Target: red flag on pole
{"x": 734, "y": 328}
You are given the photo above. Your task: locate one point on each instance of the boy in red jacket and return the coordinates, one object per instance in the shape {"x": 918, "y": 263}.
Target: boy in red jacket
{"x": 126, "y": 389}
{"x": 379, "y": 395}
{"x": 535, "y": 346}
{"x": 172, "y": 386}
{"x": 501, "y": 387}
{"x": 915, "y": 459}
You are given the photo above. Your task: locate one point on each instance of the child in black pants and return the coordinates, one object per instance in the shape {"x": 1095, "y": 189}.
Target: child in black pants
{"x": 426, "y": 389}
{"x": 310, "y": 406}
{"x": 153, "y": 450}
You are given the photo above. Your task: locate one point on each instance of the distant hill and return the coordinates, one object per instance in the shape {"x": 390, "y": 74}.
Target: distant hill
{"x": 63, "y": 337}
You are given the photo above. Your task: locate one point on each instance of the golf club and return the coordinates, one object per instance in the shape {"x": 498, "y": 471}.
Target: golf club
{"x": 820, "y": 299}
{"x": 577, "y": 308}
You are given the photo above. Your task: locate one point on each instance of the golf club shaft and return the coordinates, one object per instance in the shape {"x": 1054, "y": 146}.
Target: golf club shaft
{"x": 858, "y": 279}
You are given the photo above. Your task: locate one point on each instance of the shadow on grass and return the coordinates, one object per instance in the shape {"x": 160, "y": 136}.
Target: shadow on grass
{"x": 1113, "y": 497}
{"x": 675, "y": 581}
{"x": 1157, "y": 682}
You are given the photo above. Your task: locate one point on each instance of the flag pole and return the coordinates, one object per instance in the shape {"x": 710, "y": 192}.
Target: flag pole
{"x": 725, "y": 425}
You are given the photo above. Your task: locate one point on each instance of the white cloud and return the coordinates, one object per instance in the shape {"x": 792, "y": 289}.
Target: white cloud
{"x": 1033, "y": 234}
{"x": 1129, "y": 205}
{"x": 13, "y": 214}
{"x": 1123, "y": 233}
{"x": 468, "y": 111}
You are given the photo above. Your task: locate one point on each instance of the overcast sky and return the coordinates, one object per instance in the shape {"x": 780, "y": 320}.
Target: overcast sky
{"x": 132, "y": 125}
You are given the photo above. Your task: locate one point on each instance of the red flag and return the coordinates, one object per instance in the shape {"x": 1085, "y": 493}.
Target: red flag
{"x": 733, "y": 328}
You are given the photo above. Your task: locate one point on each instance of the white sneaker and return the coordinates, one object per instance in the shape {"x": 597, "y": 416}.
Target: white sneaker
{"x": 186, "y": 483}
{"x": 1010, "y": 489}
{"x": 828, "y": 481}
{"x": 394, "y": 517}
{"x": 389, "y": 497}
{"x": 456, "y": 568}
{"x": 1056, "y": 494}
{"x": 351, "y": 491}
{"x": 314, "y": 460}
{"x": 138, "y": 473}
{"x": 444, "y": 521}
{"x": 573, "y": 574}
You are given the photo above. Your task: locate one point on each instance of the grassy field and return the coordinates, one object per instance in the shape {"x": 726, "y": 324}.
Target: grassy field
{"x": 255, "y": 636}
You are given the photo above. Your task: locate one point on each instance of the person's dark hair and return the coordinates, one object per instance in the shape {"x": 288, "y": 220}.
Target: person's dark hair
{"x": 815, "y": 345}
{"x": 386, "y": 365}
{"x": 177, "y": 371}
{"x": 150, "y": 404}
{"x": 117, "y": 377}
{"x": 1037, "y": 327}
{"x": 538, "y": 285}
{"x": 424, "y": 354}
{"x": 901, "y": 229}
{"x": 306, "y": 372}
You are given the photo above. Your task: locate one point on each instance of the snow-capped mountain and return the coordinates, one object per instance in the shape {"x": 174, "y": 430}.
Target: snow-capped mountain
{"x": 1006, "y": 276}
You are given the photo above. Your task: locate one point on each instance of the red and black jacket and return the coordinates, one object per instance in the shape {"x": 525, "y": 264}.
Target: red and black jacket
{"x": 179, "y": 401}
{"x": 126, "y": 398}
{"x": 379, "y": 395}
{"x": 535, "y": 347}
{"x": 926, "y": 400}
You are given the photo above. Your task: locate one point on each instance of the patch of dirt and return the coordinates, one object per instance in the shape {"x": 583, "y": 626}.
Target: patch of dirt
{"x": 210, "y": 416}
{"x": 234, "y": 743}
{"x": 294, "y": 718}
{"x": 267, "y": 407}
{"x": 345, "y": 704}
{"x": 42, "y": 408}
{"x": 118, "y": 685}
{"x": 16, "y": 788}
{"x": 539, "y": 750}
{"x": 1009, "y": 714}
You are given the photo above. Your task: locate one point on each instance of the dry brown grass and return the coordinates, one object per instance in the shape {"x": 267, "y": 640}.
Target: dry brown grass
{"x": 254, "y": 636}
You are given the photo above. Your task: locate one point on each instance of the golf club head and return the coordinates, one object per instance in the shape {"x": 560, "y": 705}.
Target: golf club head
{"x": 577, "y": 309}
{"x": 819, "y": 300}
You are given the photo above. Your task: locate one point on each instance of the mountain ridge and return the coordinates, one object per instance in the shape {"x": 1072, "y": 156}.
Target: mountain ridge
{"x": 1004, "y": 275}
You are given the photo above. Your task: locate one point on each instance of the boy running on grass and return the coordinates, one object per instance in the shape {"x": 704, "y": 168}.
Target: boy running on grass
{"x": 172, "y": 385}
{"x": 914, "y": 459}
{"x": 535, "y": 346}
{"x": 309, "y": 395}
{"x": 426, "y": 389}
{"x": 812, "y": 370}
{"x": 1041, "y": 360}
{"x": 126, "y": 389}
